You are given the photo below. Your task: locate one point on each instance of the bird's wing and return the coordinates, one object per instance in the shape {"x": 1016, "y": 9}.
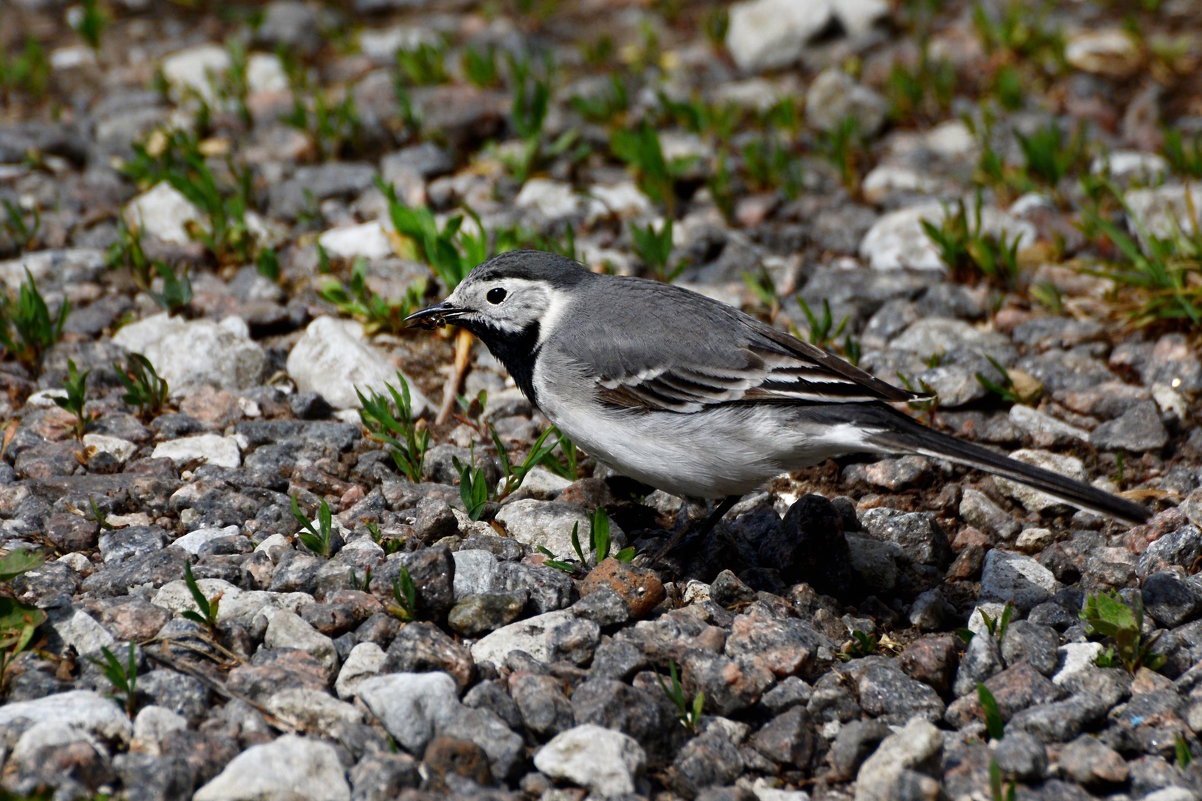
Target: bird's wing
{"x": 707, "y": 354}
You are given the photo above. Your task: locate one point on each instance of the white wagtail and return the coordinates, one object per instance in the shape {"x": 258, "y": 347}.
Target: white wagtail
{"x": 690, "y": 395}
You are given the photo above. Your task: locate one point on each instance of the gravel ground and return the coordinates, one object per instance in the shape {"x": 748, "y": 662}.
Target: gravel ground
{"x": 228, "y": 190}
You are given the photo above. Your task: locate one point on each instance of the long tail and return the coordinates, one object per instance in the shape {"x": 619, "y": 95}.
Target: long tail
{"x": 891, "y": 431}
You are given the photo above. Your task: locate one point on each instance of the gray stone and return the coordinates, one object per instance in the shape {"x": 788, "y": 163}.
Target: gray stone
{"x": 1021, "y": 756}
{"x": 982, "y": 659}
{"x": 363, "y": 662}
{"x": 475, "y": 572}
{"x": 81, "y": 709}
{"x": 978, "y": 509}
{"x": 917, "y": 533}
{"x": 1032, "y": 643}
{"x": 530, "y": 635}
{"x": 1137, "y": 430}
{"x": 410, "y": 704}
{"x": 1016, "y": 578}
{"x": 549, "y": 524}
{"x": 287, "y": 629}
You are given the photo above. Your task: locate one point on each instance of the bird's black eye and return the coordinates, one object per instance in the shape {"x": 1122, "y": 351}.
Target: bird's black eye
{"x": 496, "y": 294}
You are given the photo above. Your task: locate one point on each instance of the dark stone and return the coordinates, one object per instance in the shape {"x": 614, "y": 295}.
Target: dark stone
{"x": 490, "y": 695}
{"x": 1021, "y": 756}
{"x": 707, "y": 760}
{"x": 811, "y": 548}
{"x": 854, "y": 743}
{"x": 448, "y": 755}
{"x": 148, "y": 777}
{"x": 549, "y": 589}
{"x": 1031, "y": 643}
{"x": 423, "y": 647}
{"x": 646, "y": 715}
{"x": 1171, "y": 601}
{"x": 886, "y": 692}
{"x": 788, "y": 739}
{"x": 932, "y": 660}
{"x": 545, "y": 709}
{"x": 178, "y": 692}
{"x": 730, "y": 685}
{"x": 486, "y": 611}
{"x": 382, "y": 776}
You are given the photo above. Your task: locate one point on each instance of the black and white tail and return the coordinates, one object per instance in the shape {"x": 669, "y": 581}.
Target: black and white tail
{"x": 890, "y": 431}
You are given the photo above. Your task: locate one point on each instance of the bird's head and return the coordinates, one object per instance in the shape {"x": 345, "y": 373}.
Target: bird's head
{"x": 511, "y": 296}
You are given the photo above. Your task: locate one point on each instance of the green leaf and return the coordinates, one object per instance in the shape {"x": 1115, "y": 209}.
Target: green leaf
{"x": 993, "y": 718}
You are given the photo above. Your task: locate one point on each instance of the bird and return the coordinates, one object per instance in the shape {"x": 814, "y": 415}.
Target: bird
{"x": 692, "y": 396}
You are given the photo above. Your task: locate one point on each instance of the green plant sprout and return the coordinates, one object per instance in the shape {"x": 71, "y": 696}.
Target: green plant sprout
{"x": 76, "y": 388}
{"x": 205, "y": 612}
{"x": 29, "y": 317}
{"x": 315, "y": 538}
{"x": 122, "y": 676}
{"x": 687, "y": 712}
{"x": 404, "y": 593}
{"x": 18, "y": 621}
{"x": 1107, "y": 615}
{"x": 406, "y": 438}
{"x": 143, "y": 386}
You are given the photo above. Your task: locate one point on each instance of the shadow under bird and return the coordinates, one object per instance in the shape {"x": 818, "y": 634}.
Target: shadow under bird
{"x": 690, "y": 395}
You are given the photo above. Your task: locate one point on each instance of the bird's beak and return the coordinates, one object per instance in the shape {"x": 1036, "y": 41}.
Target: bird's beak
{"x": 434, "y": 316}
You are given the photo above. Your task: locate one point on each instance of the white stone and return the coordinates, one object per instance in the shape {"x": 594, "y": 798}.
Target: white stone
{"x": 189, "y": 354}
{"x": 164, "y": 213}
{"x": 236, "y": 604}
{"x": 265, "y": 73}
{"x": 311, "y": 709}
{"x": 884, "y": 179}
{"x": 859, "y": 17}
{"x": 529, "y": 635}
{"x": 541, "y": 483}
{"x": 1033, "y": 420}
{"x": 68, "y": 265}
{"x": 63, "y": 59}
{"x": 623, "y": 199}
{"x": 976, "y": 619}
{"x": 195, "y": 69}
{"x": 1131, "y": 164}
{"x": 1111, "y": 52}
{"x": 363, "y": 662}
{"x": 33, "y": 743}
{"x": 212, "y": 448}
{"x": 764, "y": 791}
{"x": 1163, "y": 211}
{"x": 919, "y": 743}
{"x": 84, "y": 709}
{"x": 1035, "y": 539}
{"x": 409, "y": 704}
{"x": 193, "y": 541}
{"x": 765, "y": 34}
{"x": 80, "y": 630}
{"x": 120, "y": 449}
{"x": 332, "y": 359}
{"x": 834, "y": 96}
{"x": 553, "y": 200}
{"x": 603, "y": 760}
{"x": 898, "y": 240}
{"x": 549, "y": 524}
{"x": 365, "y": 240}
{"x": 45, "y": 398}
{"x": 381, "y": 45}
{"x": 152, "y": 724}
{"x": 474, "y": 572}
{"x": 1076, "y": 659}
{"x": 951, "y": 139}
{"x": 290, "y": 767}
{"x": 1035, "y": 500}
{"x": 286, "y": 629}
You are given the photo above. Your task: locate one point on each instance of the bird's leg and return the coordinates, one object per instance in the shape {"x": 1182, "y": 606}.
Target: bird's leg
{"x": 700, "y": 529}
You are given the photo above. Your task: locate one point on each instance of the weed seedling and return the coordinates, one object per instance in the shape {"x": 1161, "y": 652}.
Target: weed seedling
{"x": 177, "y": 289}
{"x": 76, "y": 387}
{"x": 355, "y": 299}
{"x": 996, "y": 626}
{"x": 315, "y": 538}
{"x": 24, "y": 234}
{"x": 1004, "y": 386}
{"x": 480, "y": 66}
{"x": 997, "y": 790}
{"x": 404, "y": 593}
{"x": 688, "y": 713}
{"x": 642, "y": 152}
{"x": 390, "y": 545}
{"x": 994, "y": 727}
{"x": 28, "y": 316}
{"x": 968, "y": 251}
{"x": 654, "y": 248}
{"x": 449, "y": 250}
{"x": 18, "y": 621}
{"x": 473, "y": 488}
{"x": 1107, "y": 615}
{"x": 424, "y": 65}
{"x": 1183, "y": 155}
{"x": 123, "y": 676}
{"x": 821, "y": 332}
{"x": 143, "y": 386}
{"x": 860, "y": 645}
{"x": 407, "y": 439}
{"x": 205, "y": 612}
{"x": 91, "y": 23}
{"x": 599, "y": 539}
{"x": 1182, "y": 753}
